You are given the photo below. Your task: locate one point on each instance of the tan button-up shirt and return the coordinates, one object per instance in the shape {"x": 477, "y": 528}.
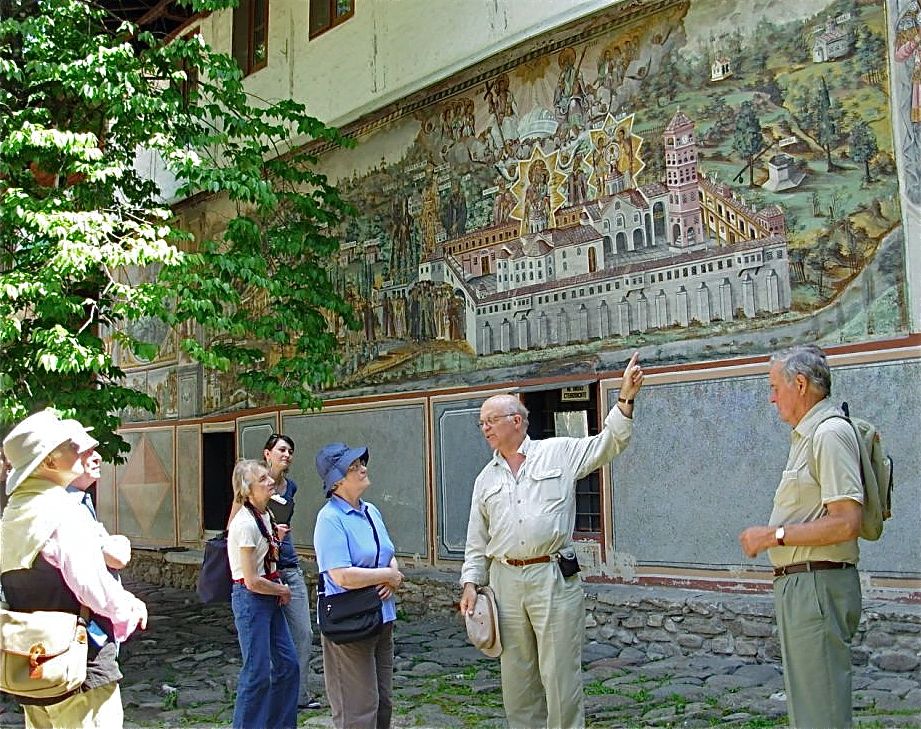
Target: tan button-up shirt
{"x": 533, "y": 514}
{"x": 823, "y": 466}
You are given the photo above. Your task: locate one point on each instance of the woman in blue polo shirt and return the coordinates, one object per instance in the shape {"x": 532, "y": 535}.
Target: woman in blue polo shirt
{"x": 354, "y": 550}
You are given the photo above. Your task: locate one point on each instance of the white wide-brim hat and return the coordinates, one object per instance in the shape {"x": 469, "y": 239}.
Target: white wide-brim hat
{"x": 30, "y": 443}
{"x": 80, "y": 435}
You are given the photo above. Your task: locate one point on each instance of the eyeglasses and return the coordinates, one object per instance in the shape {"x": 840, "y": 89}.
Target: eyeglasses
{"x": 356, "y": 465}
{"x": 493, "y": 419}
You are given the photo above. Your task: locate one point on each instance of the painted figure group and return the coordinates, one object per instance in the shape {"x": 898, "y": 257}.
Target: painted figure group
{"x": 519, "y": 542}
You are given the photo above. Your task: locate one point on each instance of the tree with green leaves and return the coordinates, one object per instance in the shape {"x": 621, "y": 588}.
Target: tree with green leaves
{"x": 90, "y": 252}
{"x": 862, "y": 146}
{"x": 748, "y": 139}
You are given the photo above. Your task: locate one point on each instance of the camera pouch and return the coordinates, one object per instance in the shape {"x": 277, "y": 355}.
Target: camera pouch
{"x": 569, "y": 563}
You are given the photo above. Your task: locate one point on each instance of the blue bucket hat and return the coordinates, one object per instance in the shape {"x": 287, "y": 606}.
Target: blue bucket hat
{"x": 333, "y": 461}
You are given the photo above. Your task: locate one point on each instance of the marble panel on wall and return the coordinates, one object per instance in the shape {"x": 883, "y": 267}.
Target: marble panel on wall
{"x": 188, "y": 477}
{"x": 460, "y": 453}
{"x": 395, "y": 437}
{"x": 889, "y": 395}
{"x": 706, "y": 457}
{"x": 252, "y": 433}
{"x": 146, "y": 488}
{"x": 702, "y": 465}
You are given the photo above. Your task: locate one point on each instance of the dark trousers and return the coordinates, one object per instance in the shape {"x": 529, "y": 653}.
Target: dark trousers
{"x": 359, "y": 681}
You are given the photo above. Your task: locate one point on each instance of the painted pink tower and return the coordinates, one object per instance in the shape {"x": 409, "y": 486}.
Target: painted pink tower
{"x": 685, "y": 227}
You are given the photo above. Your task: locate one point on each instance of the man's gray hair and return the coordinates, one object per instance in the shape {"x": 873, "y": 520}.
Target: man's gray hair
{"x": 807, "y": 360}
{"x": 513, "y": 403}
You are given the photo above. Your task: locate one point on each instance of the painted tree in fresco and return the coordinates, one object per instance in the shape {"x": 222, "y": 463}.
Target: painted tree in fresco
{"x": 663, "y": 86}
{"x": 748, "y": 139}
{"x": 829, "y": 115}
{"x": 863, "y": 146}
{"x": 820, "y": 258}
{"x": 821, "y": 114}
{"x": 869, "y": 48}
{"x": 87, "y": 245}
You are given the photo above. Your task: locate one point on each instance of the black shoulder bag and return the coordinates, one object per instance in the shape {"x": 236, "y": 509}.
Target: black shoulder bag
{"x": 214, "y": 579}
{"x": 352, "y": 615}
{"x": 215, "y": 582}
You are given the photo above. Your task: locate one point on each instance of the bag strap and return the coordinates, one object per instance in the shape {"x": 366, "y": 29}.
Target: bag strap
{"x": 271, "y": 556}
{"x": 846, "y": 416}
{"x": 321, "y": 586}
{"x": 377, "y": 540}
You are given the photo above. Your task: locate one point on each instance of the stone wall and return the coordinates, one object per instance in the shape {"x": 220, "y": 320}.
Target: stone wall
{"x": 644, "y": 623}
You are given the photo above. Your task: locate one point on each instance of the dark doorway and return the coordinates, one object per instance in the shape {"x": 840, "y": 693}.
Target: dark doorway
{"x": 216, "y": 489}
{"x": 542, "y": 406}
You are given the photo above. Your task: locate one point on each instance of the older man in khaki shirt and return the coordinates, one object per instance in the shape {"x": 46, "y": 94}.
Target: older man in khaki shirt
{"x": 812, "y": 542}
{"x": 522, "y": 515}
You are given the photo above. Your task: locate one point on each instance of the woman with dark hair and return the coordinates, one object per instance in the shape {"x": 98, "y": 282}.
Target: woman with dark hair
{"x": 354, "y": 550}
{"x": 267, "y": 688}
{"x": 278, "y": 454}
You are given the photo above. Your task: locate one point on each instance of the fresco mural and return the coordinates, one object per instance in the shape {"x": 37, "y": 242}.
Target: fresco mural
{"x": 714, "y": 177}
{"x": 700, "y": 178}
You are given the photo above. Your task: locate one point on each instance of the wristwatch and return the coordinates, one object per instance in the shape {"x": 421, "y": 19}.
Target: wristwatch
{"x": 779, "y": 534}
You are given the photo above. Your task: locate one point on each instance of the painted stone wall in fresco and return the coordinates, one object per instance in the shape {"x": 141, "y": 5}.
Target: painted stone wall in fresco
{"x": 706, "y": 177}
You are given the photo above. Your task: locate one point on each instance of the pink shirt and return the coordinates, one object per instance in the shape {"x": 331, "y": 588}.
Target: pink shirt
{"x": 84, "y": 570}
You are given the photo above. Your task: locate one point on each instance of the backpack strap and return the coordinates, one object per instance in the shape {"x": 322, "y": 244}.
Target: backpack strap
{"x": 846, "y": 417}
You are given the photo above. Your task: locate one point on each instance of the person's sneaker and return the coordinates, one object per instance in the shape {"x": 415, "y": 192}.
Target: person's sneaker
{"x": 310, "y": 703}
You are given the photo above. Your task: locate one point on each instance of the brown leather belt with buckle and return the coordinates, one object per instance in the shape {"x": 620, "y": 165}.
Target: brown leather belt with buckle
{"x": 526, "y": 562}
{"x": 792, "y": 569}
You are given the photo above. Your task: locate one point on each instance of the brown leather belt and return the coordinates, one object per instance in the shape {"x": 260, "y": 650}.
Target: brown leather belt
{"x": 792, "y": 569}
{"x": 526, "y": 562}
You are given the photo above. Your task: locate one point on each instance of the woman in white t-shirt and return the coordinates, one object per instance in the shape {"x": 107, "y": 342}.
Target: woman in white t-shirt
{"x": 269, "y": 677}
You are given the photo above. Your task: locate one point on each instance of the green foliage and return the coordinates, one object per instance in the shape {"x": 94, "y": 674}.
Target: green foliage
{"x": 88, "y": 247}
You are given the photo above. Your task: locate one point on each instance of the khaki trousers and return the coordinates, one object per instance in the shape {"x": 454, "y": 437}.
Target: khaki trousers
{"x": 817, "y": 615}
{"x": 542, "y": 626}
{"x": 359, "y": 681}
{"x": 98, "y": 708}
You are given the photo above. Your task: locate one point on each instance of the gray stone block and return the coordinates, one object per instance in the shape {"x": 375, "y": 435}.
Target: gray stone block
{"x": 896, "y": 661}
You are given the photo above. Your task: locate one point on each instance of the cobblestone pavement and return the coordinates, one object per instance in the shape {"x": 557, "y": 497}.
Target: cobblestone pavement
{"x": 181, "y": 672}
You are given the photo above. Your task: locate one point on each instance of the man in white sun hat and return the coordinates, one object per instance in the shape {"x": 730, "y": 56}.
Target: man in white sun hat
{"x": 116, "y": 549}
{"x": 51, "y": 560}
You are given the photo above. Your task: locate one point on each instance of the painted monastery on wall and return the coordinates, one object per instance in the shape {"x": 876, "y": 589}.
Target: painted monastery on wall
{"x": 634, "y": 259}
{"x": 596, "y": 192}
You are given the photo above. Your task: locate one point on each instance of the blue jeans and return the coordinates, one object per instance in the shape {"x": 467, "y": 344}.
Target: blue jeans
{"x": 297, "y": 613}
{"x": 267, "y": 689}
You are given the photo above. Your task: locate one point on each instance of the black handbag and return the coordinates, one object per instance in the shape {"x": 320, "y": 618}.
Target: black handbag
{"x": 214, "y": 580}
{"x": 350, "y": 616}
{"x": 353, "y": 615}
